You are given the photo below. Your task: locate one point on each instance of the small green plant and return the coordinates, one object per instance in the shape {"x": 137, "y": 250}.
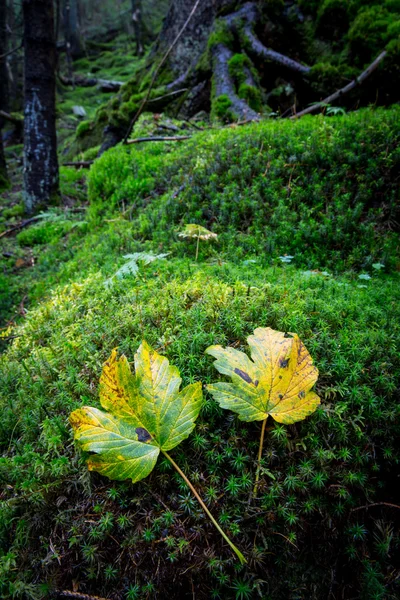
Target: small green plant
{"x": 276, "y": 382}
{"x": 146, "y": 415}
{"x": 198, "y": 233}
{"x": 131, "y": 267}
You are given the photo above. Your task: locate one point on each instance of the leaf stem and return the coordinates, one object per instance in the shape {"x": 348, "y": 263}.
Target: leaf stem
{"x": 260, "y": 449}
{"x": 204, "y": 507}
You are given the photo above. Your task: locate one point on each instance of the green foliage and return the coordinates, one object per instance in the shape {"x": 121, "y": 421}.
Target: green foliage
{"x": 131, "y": 267}
{"x": 372, "y": 29}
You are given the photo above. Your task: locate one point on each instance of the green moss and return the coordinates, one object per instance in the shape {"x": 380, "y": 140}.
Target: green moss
{"x": 333, "y": 18}
{"x": 325, "y": 77}
{"x": 83, "y": 128}
{"x": 220, "y": 184}
{"x": 4, "y": 182}
{"x": 236, "y": 65}
{"x": 221, "y": 107}
{"x": 252, "y": 95}
{"x": 14, "y": 211}
{"x": 371, "y": 31}
{"x": 220, "y": 35}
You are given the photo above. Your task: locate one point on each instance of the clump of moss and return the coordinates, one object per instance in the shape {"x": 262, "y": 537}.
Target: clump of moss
{"x": 372, "y": 29}
{"x": 83, "y": 128}
{"x": 333, "y": 19}
{"x": 252, "y": 95}
{"x": 325, "y": 78}
{"x": 221, "y": 107}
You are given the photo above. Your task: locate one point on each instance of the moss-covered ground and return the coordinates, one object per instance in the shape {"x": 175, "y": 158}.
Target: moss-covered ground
{"x": 325, "y": 523}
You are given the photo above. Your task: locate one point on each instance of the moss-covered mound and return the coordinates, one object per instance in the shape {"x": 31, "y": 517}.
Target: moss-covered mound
{"x": 60, "y": 525}
{"x": 322, "y": 189}
{"x": 324, "y": 523}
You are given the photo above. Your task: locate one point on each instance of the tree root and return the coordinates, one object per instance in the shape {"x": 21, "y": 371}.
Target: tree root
{"x": 224, "y": 86}
{"x": 247, "y": 16}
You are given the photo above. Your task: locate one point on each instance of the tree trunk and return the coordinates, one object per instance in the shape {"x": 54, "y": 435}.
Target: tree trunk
{"x": 41, "y": 181}
{"x": 4, "y": 95}
{"x": 3, "y": 167}
{"x": 137, "y": 25}
{"x": 73, "y": 38}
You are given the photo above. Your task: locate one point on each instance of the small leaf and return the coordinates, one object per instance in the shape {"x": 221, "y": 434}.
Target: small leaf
{"x": 378, "y": 266}
{"x": 192, "y": 230}
{"x": 364, "y": 276}
{"x": 146, "y": 413}
{"x": 286, "y": 259}
{"x": 131, "y": 267}
{"x": 277, "y": 381}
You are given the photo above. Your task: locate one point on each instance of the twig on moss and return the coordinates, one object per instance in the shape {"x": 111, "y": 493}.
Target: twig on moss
{"x": 19, "y": 226}
{"x": 78, "y": 595}
{"x": 174, "y": 138}
{"x": 85, "y": 164}
{"x": 145, "y": 99}
{"x": 366, "y": 506}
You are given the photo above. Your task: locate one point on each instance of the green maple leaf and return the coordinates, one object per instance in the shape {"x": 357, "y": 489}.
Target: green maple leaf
{"x": 146, "y": 414}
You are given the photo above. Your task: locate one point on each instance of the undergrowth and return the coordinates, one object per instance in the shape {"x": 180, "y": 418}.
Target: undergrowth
{"x": 59, "y": 523}
{"x": 321, "y": 191}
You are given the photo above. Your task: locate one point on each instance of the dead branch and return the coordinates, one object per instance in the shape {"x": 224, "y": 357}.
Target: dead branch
{"x": 145, "y": 99}
{"x": 339, "y": 93}
{"x": 19, "y": 226}
{"x": 375, "y": 504}
{"x": 10, "y": 52}
{"x": 174, "y": 138}
{"x": 78, "y": 595}
{"x": 167, "y": 95}
{"x": 84, "y": 164}
{"x": 16, "y": 120}
{"x": 105, "y": 85}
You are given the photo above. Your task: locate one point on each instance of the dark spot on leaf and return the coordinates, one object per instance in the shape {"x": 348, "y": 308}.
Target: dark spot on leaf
{"x": 143, "y": 434}
{"x": 301, "y": 394}
{"x": 256, "y": 383}
{"x": 284, "y": 362}
{"x": 280, "y": 396}
{"x": 243, "y": 375}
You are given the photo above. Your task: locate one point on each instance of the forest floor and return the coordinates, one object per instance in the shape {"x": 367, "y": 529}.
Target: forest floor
{"x": 305, "y": 214}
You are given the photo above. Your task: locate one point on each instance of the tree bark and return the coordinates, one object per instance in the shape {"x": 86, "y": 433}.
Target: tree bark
{"x": 137, "y": 25}
{"x": 4, "y": 97}
{"x": 41, "y": 180}
{"x": 72, "y": 33}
